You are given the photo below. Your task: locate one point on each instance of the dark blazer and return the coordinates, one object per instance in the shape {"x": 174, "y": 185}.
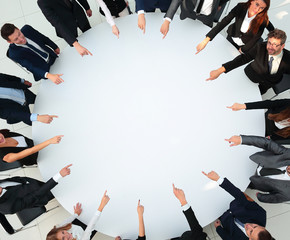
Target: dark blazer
{"x": 151, "y": 5}
{"x": 29, "y": 160}
{"x": 187, "y": 10}
{"x": 12, "y": 111}
{"x": 242, "y": 209}
{"x": 114, "y": 6}
{"x": 258, "y": 70}
{"x": 238, "y": 13}
{"x": 273, "y": 156}
{"x": 29, "y": 59}
{"x": 66, "y": 20}
{"x": 273, "y": 107}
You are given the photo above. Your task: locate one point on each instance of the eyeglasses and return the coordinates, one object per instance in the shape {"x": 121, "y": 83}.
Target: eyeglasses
{"x": 258, "y": 6}
{"x": 273, "y": 44}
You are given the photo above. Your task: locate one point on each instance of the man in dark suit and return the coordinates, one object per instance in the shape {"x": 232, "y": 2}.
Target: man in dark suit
{"x": 271, "y": 61}
{"x": 32, "y": 50}
{"x": 273, "y": 172}
{"x": 203, "y": 10}
{"x": 66, "y": 16}
{"x": 245, "y": 219}
{"x": 143, "y": 6}
{"x": 196, "y": 232}
{"x": 15, "y": 98}
{"x": 19, "y": 193}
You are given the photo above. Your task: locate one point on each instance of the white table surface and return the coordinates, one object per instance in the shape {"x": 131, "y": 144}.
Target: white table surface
{"x": 138, "y": 116}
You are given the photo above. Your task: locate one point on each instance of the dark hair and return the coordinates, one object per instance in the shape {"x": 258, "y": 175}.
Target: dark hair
{"x": 52, "y": 234}
{"x": 278, "y": 34}
{"x": 7, "y": 29}
{"x": 264, "y": 235}
{"x": 5, "y": 132}
{"x": 277, "y": 117}
{"x": 260, "y": 17}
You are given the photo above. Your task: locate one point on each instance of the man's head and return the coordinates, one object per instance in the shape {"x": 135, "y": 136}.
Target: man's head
{"x": 12, "y": 34}
{"x": 257, "y": 232}
{"x": 276, "y": 42}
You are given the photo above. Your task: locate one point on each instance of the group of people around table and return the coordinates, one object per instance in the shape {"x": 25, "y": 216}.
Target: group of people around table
{"x": 245, "y": 219}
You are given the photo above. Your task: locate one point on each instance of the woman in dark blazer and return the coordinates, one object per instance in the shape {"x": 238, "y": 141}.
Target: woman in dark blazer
{"x": 277, "y": 117}
{"x": 238, "y": 31}
{"x": 16, "y": 147}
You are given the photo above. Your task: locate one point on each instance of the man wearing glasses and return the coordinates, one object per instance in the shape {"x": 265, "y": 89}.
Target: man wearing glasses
{"x": 271, "y": 61}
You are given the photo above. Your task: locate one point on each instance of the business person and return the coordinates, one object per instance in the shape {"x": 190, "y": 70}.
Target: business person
{"x": 250, "y": 20}
{"x": 32, "y": 50}
{"x": 244, "y": 220}
{"x": 273, "y": 172}
{"x": 68, "y": 230}
{"x": 117, "y": 8}
{"x": 271, "y": 61}
{"x": 15, "y": 98}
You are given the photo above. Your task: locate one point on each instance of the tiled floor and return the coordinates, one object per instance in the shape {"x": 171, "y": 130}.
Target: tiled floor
{"x": 22, "y": 12}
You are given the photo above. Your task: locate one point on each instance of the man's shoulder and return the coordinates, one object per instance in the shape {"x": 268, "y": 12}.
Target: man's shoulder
{"x": 27, "y": 28}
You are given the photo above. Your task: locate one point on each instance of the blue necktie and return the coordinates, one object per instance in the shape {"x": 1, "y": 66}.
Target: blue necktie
{"x": 239, "y": 222}
{"x": 270, "y": 63}
{"x": 43, "y": 54}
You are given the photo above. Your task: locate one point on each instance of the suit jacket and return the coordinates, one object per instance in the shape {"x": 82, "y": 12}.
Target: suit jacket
{"x": 242, "y": 209}
{"x": 29, "y": 160}
{"x": 273, "y": 107}
{"x": 151, "y": 5}
{"x": 258, "y": 70}
{"x": 29, "y": 59}
{"x": 238, "y": 13}
{"x": 12, "y": 111}
{"x": 187, "y": 10}
{"x": 66, "y": 20}
{"x": 273, "y": 156}
{"x": 114, "y": 6}
{"x": 196, "y": 232}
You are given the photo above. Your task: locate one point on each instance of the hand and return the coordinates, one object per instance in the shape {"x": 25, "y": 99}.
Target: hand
{"x": 217, "y": 223}
{"x": 55, "y": 78}
{"x": 165, "y": 28}
{"x": 179, "y": 194}
{"x": 65, "y": 171}
{"x": 127, "y": 3}
{"x": 118, "y": 238}
{"x": 240, "y": 50}
{"x": 105, "y": 200}
{"x": 140, "y": 209}
{"x": 57, "y": 51}
{"x": 234, "y": 140}
{"x": 215, "y": 73}
{"x": 115, "y": 31}
{"x": 237, "y": 106}
{"x": 202, "y": 45}
{"x": 56, "y": 139}
{"x": 81, "y": 50}
{"x": 27, "y": 83}
{"x": 78, "y": 209}
{"x": 212, "y": 175}
{"x": 141, "y": 22}
{"x": 89, "y": 13}
{"x": 46, "y": 118}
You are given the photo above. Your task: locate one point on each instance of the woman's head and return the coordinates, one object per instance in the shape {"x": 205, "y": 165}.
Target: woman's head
{"x": 283, "y": 116}
{"x": 3, "y": 135}
{"x": 60, "y": 233}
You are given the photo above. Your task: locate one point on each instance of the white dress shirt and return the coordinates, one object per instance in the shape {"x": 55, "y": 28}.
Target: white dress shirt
{"x": 276, "y": 62}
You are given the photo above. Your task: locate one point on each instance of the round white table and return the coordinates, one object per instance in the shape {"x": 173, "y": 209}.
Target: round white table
{"x": 138, "y": 116}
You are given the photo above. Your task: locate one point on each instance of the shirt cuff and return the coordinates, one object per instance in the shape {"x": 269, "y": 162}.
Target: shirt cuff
{"x": 57, "y": 177}
{"x": 45, "y": 75}
{"x": 167, "y": 18}
{"x": 33, "y": 117}
{"x": 98, "y": 213}
{"x": 241, "y": 139}
{"x": 22, "y": 80}
{"x": 185, "y": 207}
{"x": 220, "y": 181}
{"x": 141, "y": 12}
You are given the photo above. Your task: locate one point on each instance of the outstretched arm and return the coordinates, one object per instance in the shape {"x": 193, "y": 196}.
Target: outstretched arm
{"x": 140, "y": 210}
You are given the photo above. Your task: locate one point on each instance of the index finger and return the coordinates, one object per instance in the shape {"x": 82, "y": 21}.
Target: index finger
{"x": 144, "y": 30}
{"x": 139, "y": 202}
{"x": 68, "y": 166}
{"x": 204, "y": 173}
{"x": 228, "y": 140}
{"x": 90, "y": 53}
{"x": 54, "y": 116}
{"x": 105, "y": 193}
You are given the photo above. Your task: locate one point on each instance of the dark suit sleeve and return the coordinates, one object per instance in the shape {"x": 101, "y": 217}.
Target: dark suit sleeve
{"x": 140, "y": 5}
{"x": 265, "y": 143}
{"x": 173, "y": 8}
{"x": 141, "y": 238}
{"x": 15, "y": 115}
{"x": 268, "y": 104}
{"x": 85, "y": 4}
{"x": 272, "y": 197}
{"x": 8, "y": 81}
{"x": 223, "y": 233}
{"x": 270, "y": 27}
{"x": 56, "y": 22}
{"x": 5, "y": 224}
{"x": 196, "y": 229}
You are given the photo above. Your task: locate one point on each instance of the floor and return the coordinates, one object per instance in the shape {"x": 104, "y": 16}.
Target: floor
{"x": 20, "y": 12}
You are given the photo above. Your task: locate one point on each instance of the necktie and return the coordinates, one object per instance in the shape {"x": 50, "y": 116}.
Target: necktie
{"x": 239, "y": 222}
{"x": 271, "y": 171}
{"x": 270, "y": 64}
{"x": 43, "y": 54}
{"x": 68, "y": 3}
{"x": 199, "y": 6}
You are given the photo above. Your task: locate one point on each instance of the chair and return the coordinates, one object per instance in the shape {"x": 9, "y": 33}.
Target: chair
{"x": 24, "y": 69}
{"x": 282, "y": 86}
{"x": 4, "y": 166}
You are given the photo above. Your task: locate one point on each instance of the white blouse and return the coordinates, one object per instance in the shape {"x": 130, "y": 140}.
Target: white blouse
{"x": 107, "y": 12}
{"x": 21, "y": 141}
